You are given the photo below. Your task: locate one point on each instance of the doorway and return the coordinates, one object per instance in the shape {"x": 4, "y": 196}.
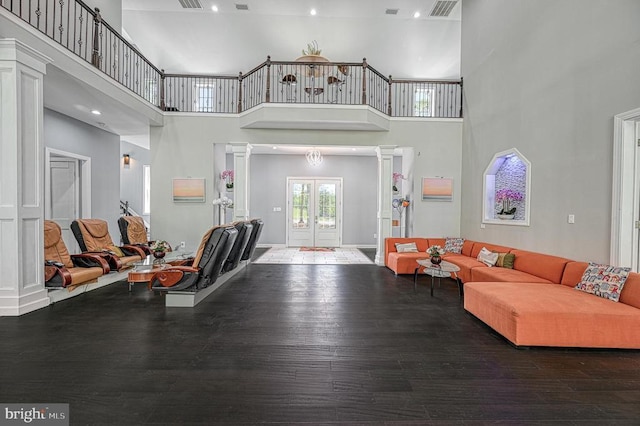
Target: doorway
{"x": 67, "y": 192}
{"x": 314, "y": 212}
{"x": 625, "y": 214}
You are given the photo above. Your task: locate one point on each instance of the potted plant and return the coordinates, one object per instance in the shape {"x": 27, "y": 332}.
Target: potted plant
{"x": 396, "y": 178}
{"x": 224, "y": 202}
{"x": 159, "y": 248}
{"x": 506, "y": 196}
{"x": 435, "y": 253}
{"x": 312, "y": 54}
{"x": 227, "y": 177}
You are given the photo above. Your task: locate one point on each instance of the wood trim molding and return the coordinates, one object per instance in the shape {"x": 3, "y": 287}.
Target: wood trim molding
{"x": 625, "y": 190}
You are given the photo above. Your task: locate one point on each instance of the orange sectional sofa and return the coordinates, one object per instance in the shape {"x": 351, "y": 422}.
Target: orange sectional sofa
{"x": 535, "y": 303}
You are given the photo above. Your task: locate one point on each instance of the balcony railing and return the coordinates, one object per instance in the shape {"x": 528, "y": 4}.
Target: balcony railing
{"x": 81, "y": 30}
{"x": 73, "y": 24}
{"x": 340, "y": 83}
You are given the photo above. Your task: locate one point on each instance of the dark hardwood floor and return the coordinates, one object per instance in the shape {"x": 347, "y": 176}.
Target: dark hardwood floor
{"x": 298, "y": 344}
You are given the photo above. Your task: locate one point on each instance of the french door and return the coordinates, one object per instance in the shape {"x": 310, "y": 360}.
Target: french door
{"x": 314, "y": 212}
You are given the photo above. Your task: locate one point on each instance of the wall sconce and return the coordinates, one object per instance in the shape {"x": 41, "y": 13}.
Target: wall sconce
{"x": 126, "y": 160}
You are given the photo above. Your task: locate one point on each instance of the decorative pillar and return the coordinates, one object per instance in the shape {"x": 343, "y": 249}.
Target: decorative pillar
{"x": 241, "y": 153}
{"x": 22, "y": 175}
{"x": 385, "y": 192}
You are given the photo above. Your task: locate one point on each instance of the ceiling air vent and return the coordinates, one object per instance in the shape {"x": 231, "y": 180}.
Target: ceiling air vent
{"x": 391, "y": 11}
{"x": 190, "y": 4}
{"x": 242, "y": 6}
{"x": 442, "y": 9}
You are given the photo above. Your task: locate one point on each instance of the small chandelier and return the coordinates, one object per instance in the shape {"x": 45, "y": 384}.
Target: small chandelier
{"x": 314, "y": 157}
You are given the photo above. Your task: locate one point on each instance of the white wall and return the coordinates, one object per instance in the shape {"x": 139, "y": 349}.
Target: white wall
{"x": 184, "y": 147}
{"x": 132, "y": 177}
{"x": 547, "y": 77}
{"x": 269, "y": 189}
{"x": 110, "y": 10}
{"x": 69, "y": 135}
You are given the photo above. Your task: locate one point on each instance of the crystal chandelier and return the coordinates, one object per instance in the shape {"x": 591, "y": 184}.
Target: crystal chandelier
{"x": 314, "y": 157}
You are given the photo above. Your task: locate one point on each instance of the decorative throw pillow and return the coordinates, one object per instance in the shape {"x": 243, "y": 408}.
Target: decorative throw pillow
{"x": 487, "y": 257}
{"x": 453, "y": 245}
{"x": 603, "y": 280}
{"x": 505, "y": 260}
{"x": 406, "y": 248}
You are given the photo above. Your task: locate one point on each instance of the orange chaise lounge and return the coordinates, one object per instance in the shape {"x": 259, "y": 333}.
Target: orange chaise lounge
{"x": 535, "y": 303}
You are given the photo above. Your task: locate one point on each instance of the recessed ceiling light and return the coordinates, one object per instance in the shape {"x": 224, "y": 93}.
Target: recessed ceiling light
{"x": 313, "y": 12}
{"x": 416, "y": 15}
{"x": 95, "y": 112}
{"x": 275, "y": 147}
{"x": 214, "y": 8}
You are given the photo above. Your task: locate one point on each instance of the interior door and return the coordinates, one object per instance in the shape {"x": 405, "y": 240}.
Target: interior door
{"x": 314, "y": 213}
{"x": 64, "y": 198}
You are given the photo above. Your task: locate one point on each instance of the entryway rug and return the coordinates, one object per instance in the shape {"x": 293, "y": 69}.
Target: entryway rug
{"x": 294, "y": 256}
{"x": 321, "y": 249}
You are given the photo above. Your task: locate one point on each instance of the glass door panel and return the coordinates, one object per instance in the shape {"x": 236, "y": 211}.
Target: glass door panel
{"x": 301, "y": 193}
{"x": 327, "y": 206}
{"x": 313, "y": 212}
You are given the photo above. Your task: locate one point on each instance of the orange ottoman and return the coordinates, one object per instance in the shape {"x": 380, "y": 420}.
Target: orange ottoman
{"x": 538, "y": 314}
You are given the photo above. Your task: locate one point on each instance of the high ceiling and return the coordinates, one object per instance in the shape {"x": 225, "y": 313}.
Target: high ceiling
{"x": 228, "y": 41}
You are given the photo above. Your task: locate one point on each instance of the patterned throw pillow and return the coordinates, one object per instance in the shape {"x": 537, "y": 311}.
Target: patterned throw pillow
{"x": 406, "y": 248}
{"x": 453, "y": 245}
{"x": 505, "y": 260}
{"x": 487, "y": 257}
{"x": 603, "y": 280}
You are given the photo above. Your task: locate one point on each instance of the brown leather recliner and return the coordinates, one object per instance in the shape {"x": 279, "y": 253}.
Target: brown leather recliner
{"x": 62, "y": 269}
{"x": 93, "y": 236}
{"x": 134, "y": 232}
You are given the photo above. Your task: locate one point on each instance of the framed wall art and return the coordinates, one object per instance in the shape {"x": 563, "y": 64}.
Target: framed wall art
{"x": 437, "y": 189}
{"x": 188, "y": 190}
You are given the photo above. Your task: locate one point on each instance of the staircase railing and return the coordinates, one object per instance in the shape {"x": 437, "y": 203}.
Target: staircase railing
{"x": 126, "y": 210}
{"x": 81, "y": 30}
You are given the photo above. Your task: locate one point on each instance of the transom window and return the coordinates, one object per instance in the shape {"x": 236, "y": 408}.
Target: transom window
{"x": 423, "y": 102}
{"x": 203, "y": 97}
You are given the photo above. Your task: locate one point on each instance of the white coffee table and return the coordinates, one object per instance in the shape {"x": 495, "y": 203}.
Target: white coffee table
{"x": 443, "y": 270}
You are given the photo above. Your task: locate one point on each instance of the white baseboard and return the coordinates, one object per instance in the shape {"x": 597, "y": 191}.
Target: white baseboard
{"x": 189, "y": 299}
{"x": 57, "y": 295}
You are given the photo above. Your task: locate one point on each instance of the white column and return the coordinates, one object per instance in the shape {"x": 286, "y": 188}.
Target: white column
{"x": 385, "y": 198}
{"x": 241, "y": 153}
{"x": 22, "y": 175}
